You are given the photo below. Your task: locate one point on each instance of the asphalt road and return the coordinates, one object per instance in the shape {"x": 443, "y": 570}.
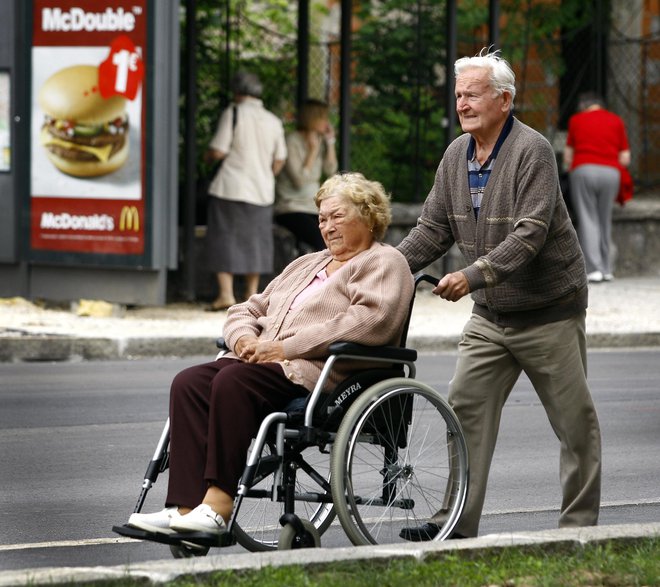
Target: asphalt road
{"x": 75, "y": 439}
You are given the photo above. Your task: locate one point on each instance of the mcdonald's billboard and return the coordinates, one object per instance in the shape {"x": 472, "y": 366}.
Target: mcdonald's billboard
{"x": 87, "y": 131}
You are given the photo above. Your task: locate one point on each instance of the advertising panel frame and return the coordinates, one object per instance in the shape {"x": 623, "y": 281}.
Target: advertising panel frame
{"x": 6, "y": 120}
{"x": 99, "y": 230}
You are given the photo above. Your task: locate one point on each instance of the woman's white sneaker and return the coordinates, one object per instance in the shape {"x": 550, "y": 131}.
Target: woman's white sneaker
{"x": 201, "y": 519}
{"x": 158, "y": 522}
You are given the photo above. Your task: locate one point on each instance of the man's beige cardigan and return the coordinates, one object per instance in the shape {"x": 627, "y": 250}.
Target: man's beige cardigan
{"x": 524, "y": 262}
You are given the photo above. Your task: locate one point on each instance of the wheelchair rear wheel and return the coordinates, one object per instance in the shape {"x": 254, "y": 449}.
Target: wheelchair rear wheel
{"x": 257, "y": 526}
{"x": 399, "y": 458}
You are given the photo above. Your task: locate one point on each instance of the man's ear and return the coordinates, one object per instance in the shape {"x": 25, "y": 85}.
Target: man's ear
{"x": 506, "y": 100}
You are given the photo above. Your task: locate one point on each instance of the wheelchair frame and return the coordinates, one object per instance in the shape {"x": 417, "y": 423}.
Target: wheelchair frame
{"x": 351, "y": 420}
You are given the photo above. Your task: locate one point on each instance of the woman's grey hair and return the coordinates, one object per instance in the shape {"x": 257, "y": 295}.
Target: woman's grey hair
{"x": 369, "y": 199}
{"x": 589, "y": 99}
{"x": 246, "y": 83}
{"x": 502, "y": 78}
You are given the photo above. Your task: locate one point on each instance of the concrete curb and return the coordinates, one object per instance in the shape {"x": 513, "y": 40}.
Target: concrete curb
{"x": 164, "y": 571}
{"x": 44, "y": 348}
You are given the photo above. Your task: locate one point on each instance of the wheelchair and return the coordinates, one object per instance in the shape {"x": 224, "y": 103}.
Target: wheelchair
{"x": 380, "y": 453}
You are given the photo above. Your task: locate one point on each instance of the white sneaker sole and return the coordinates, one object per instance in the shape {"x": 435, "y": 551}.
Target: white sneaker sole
{"x": 149, "y": 527}
{"x": 199, "y": 528}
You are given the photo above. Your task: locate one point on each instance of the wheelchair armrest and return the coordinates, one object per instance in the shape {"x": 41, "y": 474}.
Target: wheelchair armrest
{"x": 394, "y": 353}
{"x": 360, "y": 350}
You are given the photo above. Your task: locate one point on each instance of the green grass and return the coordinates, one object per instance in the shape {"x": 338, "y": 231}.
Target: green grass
{"x": 621, "y": 563}
{"x": 611, "y": 564}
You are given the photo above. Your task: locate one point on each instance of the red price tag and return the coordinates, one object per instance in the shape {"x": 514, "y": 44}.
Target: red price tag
{"x": 122, "y": 72}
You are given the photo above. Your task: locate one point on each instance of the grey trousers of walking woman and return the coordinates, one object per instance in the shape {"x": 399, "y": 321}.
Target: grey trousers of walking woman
{"x": 593, "y": 191}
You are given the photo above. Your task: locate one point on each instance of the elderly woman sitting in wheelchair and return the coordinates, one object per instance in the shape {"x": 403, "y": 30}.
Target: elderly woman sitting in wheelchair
{"x": 357, "y": 290}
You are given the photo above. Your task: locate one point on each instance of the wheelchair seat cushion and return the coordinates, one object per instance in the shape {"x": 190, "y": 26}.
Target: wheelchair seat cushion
{"x": 332, "y": 406}
{"x": 296, "y": 407}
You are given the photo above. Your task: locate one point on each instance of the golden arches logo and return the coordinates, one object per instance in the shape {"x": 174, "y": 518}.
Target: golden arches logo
{"x": 129, "y": 219}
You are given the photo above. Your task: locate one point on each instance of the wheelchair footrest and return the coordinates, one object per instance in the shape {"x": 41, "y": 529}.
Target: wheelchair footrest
{"x": 198, "y": 538}
{"x": 138, "y": 534}
{"x": 205, "y": 538}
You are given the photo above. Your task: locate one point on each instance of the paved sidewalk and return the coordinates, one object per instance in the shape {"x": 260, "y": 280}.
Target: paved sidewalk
{"x": 622, "y": 313}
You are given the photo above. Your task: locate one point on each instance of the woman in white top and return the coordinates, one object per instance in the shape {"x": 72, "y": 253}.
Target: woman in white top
{"x": 239, "y": 237}
{"x": 311, "y": 155}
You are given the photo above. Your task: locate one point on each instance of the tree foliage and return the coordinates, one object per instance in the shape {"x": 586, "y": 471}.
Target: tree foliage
{"x": 398, "y": 128}
{"x": 255, "y": 35}
{"x": 398, "y": 123}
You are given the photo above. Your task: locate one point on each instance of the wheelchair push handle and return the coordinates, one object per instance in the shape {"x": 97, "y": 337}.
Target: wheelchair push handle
{"x": 428, "y": 278}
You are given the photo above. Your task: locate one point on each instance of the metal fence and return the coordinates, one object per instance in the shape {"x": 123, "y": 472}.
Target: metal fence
{"x": 622, "y": 66}
{"x": 622, "y": 63}
{"x": 398, "y": 124}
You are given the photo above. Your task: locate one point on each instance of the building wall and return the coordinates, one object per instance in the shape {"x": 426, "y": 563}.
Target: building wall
{"x": 8, "y": 210}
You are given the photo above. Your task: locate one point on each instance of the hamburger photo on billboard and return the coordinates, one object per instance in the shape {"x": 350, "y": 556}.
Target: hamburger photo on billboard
{"x": 84, "y": 134}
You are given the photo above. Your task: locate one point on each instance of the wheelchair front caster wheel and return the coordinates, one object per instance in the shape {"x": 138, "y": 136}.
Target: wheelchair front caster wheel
{"x": 187, "y": 550}
{"x": 306, "y": 537}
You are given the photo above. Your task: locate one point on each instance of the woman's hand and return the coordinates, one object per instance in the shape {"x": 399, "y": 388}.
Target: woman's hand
{"x": 245, "y": 346}
{"x": 267, "y": 352}
{"x": 329, "y": 135}
{"x": 312, "y": 141}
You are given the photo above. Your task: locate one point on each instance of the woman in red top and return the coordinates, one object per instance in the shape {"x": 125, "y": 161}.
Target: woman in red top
{"x": 596, "y": 149}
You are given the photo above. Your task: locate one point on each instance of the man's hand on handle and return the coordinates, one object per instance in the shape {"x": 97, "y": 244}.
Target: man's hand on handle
{"x": 452, "y": 287}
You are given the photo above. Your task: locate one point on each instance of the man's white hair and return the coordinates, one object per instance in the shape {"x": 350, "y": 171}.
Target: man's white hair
{"x": 502, "y": 78}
